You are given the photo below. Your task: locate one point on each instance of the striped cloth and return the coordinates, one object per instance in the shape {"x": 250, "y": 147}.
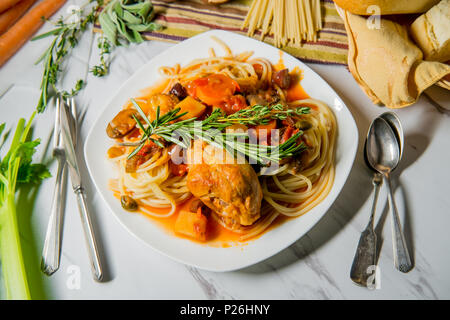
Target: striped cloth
{"x": 187, "y": 18}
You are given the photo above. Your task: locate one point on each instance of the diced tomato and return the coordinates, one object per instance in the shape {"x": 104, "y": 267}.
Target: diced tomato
{"x": 145, "y": 150}
{"x": 178, "y": 169}
{"x": 213, "y": 89}
{"x": 290, "y": 131}
{"x": 233, "y": 104}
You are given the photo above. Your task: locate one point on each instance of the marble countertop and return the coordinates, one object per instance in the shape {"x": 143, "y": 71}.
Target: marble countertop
{"x": 315, "y": 267}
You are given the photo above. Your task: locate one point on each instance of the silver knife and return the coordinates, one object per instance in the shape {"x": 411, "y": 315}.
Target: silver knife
{"x": 72, "y": 164}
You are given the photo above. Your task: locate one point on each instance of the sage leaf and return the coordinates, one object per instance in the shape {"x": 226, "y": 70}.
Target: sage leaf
{"x": 129, "y": 17}
{"x": 123, "y": 21}
{"x": 108, "y": 27}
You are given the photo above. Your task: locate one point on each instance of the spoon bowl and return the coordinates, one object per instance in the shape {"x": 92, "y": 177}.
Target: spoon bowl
{"x": 396, "y": 126}
{"x": 382, "y": 151}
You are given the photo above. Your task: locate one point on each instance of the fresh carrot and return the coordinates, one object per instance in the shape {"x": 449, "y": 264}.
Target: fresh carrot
{"x": 10, "y": 16}
{"x": 22, "y": 30}
{"x": 6, "y": 4}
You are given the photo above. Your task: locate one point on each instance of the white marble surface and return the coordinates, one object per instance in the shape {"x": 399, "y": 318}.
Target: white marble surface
{"x": 315, "y": 267}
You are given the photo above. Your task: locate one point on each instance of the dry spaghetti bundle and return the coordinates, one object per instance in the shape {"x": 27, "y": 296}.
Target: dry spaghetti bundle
{"x": 288, "y": 21}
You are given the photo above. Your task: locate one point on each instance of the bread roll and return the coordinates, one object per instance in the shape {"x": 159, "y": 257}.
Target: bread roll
{"x": 386, "y": 6}
{"x": 387, "y": 64}
{"x": 431, "y": 32}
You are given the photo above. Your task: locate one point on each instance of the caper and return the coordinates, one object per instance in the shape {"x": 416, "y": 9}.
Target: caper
{"x": 303, "y": 125}
{"x": 128, "y": 203}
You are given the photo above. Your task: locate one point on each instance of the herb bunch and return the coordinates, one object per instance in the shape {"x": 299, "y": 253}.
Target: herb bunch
{"x": 190, "y": 129}
{"x": 66, "y": 36}
{"x": 122, "y": 21}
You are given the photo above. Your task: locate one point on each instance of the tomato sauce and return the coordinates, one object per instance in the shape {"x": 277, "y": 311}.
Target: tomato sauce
{"x": 158, "y": 87}
{"x": 215, "y": 91}
{"x": 296, "y": 91}
{"x": 216, "y": 236}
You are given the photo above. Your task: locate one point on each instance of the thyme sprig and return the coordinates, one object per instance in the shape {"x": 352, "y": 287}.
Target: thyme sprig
{"x": 207, "y": 130}
{"x": 259, "y": 114}
{"x": 66, "y": 36}
{"x": 105, "y": 50}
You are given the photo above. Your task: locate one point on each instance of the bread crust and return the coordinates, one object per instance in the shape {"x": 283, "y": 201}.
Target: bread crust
{"x": 386, "y": 6}
{"x": 431, "y": 32}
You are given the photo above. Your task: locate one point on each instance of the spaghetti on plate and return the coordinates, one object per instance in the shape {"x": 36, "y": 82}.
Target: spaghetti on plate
{"x": 281, "y": 140}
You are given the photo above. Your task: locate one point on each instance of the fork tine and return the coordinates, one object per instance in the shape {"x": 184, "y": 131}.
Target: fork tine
{"x": 57, "y": 127}
{"x": 70, "y": 103}
{"x": 74, "y": 110}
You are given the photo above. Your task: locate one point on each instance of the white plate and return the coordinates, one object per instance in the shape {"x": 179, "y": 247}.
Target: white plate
{"x": 186, "y": 251}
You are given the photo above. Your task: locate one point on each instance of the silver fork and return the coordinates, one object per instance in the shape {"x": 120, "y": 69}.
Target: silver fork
{"x": 51, "y": 253}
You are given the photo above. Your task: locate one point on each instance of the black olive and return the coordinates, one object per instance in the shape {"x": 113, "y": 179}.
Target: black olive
{"x": 179, "y": 91}
{"x": 303, "y": 125}
{"x": 128, "y": 203}
{"x": 195, "y": 204}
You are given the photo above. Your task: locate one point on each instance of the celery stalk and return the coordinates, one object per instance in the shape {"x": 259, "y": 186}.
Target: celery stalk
{"x": 11, "y": 253}
{"x": 16, "y": 168}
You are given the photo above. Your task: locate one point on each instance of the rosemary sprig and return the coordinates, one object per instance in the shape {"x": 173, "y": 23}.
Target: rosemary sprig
{"x": 190, "y": 129}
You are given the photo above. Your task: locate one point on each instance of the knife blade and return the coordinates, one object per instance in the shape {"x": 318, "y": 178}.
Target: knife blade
{"x": 67, "y": 131}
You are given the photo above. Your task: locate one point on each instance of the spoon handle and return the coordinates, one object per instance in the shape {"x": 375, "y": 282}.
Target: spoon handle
{"x": 402, "y": 260}
{"x": 366, "y": 252}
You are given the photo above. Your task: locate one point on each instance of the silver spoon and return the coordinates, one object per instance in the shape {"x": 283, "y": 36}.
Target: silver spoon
{"x": 366, "y": 253}
{"x": 392, "y": 119}
{"x": 383, "y": 154}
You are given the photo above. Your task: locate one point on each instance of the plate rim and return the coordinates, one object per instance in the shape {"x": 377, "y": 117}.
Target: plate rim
{"x": 269, "y": 253}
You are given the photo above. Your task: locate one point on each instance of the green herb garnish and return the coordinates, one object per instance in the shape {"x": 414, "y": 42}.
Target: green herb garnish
{"x": 258, "y": 114}
{"x": 190, "y": 129}
{"x": 66, "y": 36}
{"x": 105, "y": 49}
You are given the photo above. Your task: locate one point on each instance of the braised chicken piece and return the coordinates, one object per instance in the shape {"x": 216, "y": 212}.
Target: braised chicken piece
{"x": 231, "y": 190}
{"x": 122, "y": 123}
